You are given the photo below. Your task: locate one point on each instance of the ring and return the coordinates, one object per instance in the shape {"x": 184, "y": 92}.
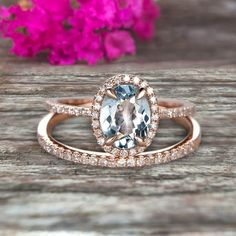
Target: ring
{"x": 125, "y": 118}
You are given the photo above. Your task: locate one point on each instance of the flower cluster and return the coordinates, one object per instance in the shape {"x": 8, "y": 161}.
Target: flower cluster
{"x": 78, "y": 30}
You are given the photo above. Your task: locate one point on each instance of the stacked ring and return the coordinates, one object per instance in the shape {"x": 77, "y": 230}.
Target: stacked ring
{"x": 125, "y": 117}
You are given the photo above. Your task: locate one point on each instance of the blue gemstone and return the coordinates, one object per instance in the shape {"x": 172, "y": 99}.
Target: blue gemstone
{"x": 126, "y": 116}
{"x": 125, "y": 91}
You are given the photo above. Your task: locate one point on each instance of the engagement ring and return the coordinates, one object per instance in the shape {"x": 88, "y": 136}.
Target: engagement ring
{"x": 125, "y": 118}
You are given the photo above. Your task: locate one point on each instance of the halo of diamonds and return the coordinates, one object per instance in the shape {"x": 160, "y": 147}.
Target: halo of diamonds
{"x": 96, "y": 108}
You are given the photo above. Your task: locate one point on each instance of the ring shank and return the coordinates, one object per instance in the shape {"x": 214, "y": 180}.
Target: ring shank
{"x": 176, "y": 151}
{"x": 168, "y": 108}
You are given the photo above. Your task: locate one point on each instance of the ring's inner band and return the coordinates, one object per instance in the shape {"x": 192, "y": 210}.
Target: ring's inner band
{"x": 83, "y": 102}
{"x": 51, "y": 120}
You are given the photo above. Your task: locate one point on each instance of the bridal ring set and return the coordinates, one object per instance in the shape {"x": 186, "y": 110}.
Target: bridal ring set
{"x": 125, "y": 115}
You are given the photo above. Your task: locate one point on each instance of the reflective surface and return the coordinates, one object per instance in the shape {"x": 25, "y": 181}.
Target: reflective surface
{"x": 125, "y": 117}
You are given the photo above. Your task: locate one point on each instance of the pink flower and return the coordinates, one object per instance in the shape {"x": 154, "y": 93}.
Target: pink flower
{"x": 119, "y": 43}
{"x": 58, "y": 9}
{"x": 144, "y": 25}
{"x": 63, "y": 51}
{"x": 90, "y": 47}
{"x": 78, "y": 30}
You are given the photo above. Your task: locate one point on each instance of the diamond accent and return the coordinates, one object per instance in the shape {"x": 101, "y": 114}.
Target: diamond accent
{"x": 101, "y": 160}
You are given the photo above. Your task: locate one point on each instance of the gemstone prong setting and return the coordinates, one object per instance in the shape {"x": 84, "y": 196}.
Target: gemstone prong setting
{"x": 125, "y": 115}
{"x": 140, "y": 142}
{"x": 111, "y": 140}
{"x": 110, "y": 93}
{"x": 142, "y": 93}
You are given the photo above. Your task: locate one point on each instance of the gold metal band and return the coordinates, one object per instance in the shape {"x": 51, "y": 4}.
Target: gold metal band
{"x": 179, "y": 150}
{"x": 168, "y": 108}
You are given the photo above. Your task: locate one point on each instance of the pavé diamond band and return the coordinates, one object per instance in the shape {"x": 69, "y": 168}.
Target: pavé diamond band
{"x": 168, "y": 108}
{"x": 125, "y": 117}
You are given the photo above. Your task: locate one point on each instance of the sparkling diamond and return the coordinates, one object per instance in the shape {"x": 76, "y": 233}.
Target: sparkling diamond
{"x": 124, "y": 153}
{"x": 101, "y": 141}
{"x": 126, "y": 78}
{"x": 141, "y": 161}
{"x": 153, "y": 100}
{"x": 150, "y": 90}
{"x": 97, "y": 106}
{"x": 95, "y": 124}
{"x": 102, "y": 161}
{"x": 68, "y": 154}
{"x": 136, "y": 80}
{"x": 144, "y": 84}
{"x": 121, "y": 162}
{"x": 98, "y": 98}
{"x": 93, "y": 160}
{"x": 125, "y": 117}
{"x": 76, "y": 156}
{"x": 131, "y": 162}
{"x": 85, "y": 158}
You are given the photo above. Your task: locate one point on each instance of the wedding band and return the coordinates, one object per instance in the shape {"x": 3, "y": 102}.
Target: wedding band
{"x": 125, "y": 117}
{"x": 186, "y": 146}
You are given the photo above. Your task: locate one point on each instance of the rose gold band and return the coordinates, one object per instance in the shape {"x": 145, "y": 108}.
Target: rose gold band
{"x": 168, "y": 108}
{"x": 51, "y": 145}
{"x": 125, "y": 115}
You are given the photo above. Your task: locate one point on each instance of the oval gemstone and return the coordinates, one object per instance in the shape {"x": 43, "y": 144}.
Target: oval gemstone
{"x": 125, "y": 117}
